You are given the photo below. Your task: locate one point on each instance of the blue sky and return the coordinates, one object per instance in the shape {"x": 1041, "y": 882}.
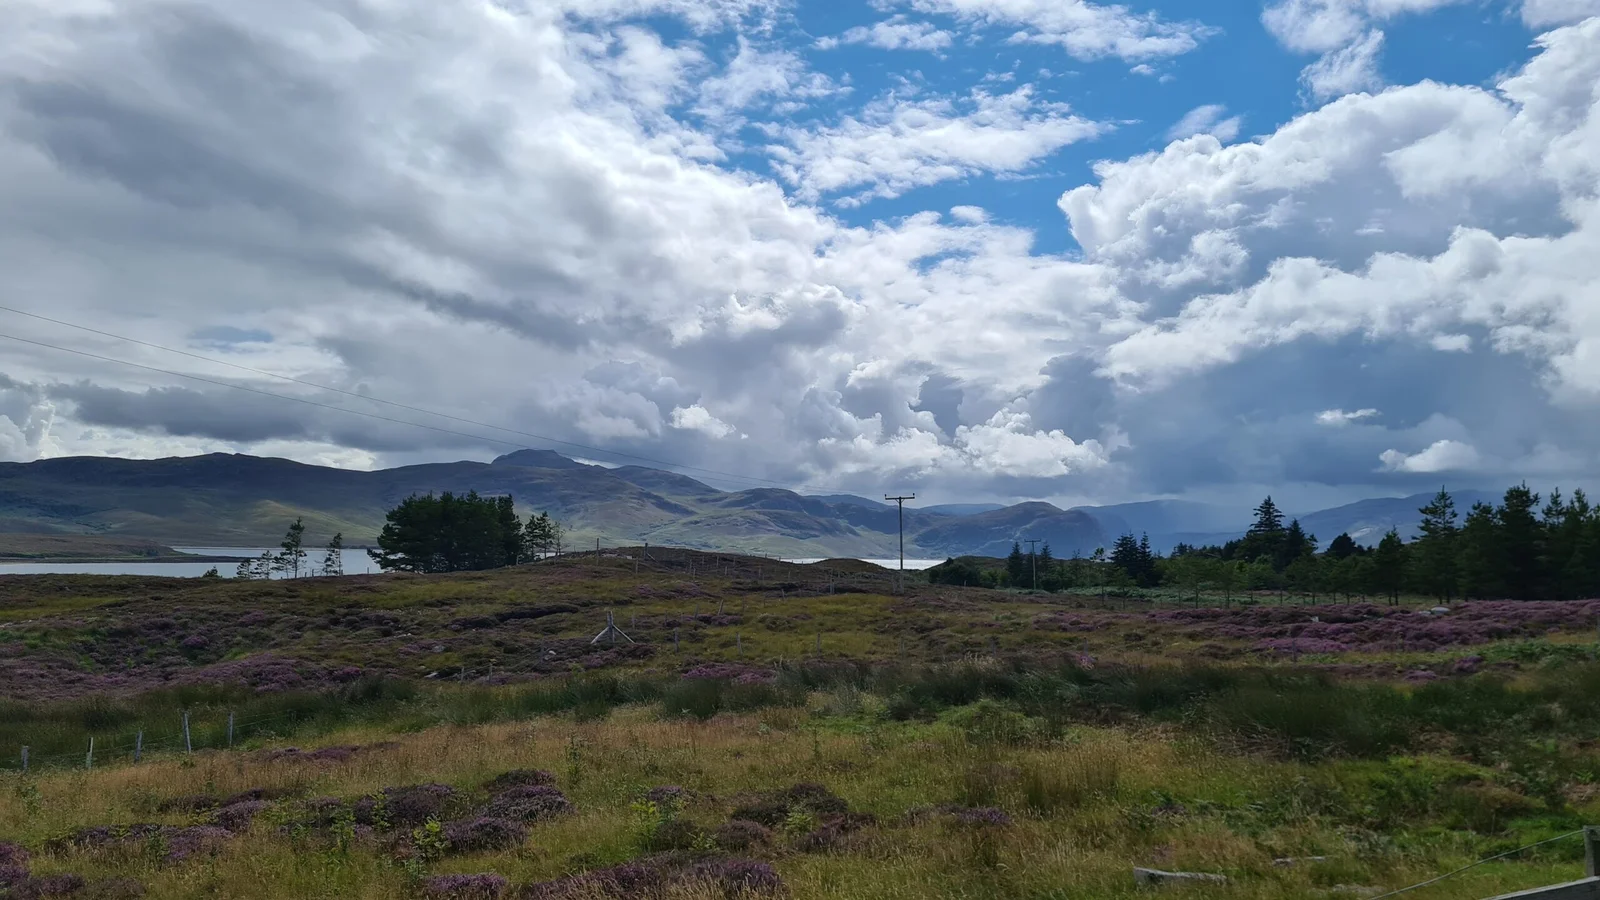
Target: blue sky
{"x": 980, "y": 249}
{"x": 1237, "y": 65}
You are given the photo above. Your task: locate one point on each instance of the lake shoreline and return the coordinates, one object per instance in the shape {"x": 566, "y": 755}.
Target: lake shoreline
{"x": 111, "y": 560}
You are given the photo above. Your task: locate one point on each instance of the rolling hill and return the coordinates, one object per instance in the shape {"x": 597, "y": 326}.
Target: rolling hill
{"x": 236, "y": 500}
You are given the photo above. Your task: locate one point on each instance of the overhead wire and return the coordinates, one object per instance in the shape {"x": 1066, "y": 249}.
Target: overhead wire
{"x": 361, "y": 396}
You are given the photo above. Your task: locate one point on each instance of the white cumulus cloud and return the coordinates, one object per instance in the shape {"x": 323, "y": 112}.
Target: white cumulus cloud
{"x": 1442, "y": 456}
{"x": 899, "y": 143}
{"x": 1083, "y": 29}
{"x": 1338, "y": 418}
{"x": 698, "y": 418}
{"x": 894, "y": 34}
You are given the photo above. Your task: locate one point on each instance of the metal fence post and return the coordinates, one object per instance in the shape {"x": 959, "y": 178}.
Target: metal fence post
{"x": 188, "y": 745}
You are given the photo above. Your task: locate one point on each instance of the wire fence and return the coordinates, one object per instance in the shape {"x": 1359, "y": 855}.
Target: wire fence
{"x": 183, "y": 735}
{"x": 1591, "y": 837}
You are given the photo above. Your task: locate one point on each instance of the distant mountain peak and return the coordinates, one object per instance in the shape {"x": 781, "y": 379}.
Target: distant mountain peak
{"x": 538, "y": 459}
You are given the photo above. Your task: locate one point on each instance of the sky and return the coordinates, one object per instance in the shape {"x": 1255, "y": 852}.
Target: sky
{"x": 980, "y": 250}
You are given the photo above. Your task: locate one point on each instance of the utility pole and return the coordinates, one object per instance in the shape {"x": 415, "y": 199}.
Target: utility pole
{"x": 1033, "y": 558}
{"x": 901, "y": 503}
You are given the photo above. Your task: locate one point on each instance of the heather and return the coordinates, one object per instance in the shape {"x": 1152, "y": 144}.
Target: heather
{"x": 942, "y": 742}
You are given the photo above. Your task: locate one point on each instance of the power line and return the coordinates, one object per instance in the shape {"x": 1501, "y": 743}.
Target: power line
{"x": 900, "y": 502}
{"x": 1559, "y": 837}
{"x": 398, "y": 405}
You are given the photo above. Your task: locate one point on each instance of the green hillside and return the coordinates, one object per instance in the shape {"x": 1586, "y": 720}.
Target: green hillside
{"x": 233, "y": 500}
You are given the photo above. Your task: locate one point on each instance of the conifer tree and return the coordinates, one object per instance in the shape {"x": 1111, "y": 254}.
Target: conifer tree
{"x": 333, "y": 557}
{"x": 294, "y": 554}
{"x": 1436, "y": 547}
{"x": 1389, "y": 570}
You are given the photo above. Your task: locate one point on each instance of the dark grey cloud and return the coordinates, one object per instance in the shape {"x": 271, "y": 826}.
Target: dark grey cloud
{"x": 245, "y": 418}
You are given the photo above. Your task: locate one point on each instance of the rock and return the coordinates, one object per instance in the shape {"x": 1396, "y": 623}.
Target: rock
{"x": 1288, "y": 861}
{"x": 1157, "y": 878}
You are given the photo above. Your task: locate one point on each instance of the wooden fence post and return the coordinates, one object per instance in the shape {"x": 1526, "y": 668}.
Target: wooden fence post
{"x": 24, "y": 760}
{"x": 138, "y": 745}
{"x": 230, "y": 728}
{"x": 88, "y": 760}
{"x": 1591, "y": 851}
{"x": 188, "y": 745}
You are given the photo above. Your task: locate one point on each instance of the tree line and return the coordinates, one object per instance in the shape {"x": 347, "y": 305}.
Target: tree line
{"x": 425, "y": 533}
{"x": 292, "y": 560}
{"x": 465, "y": 532}
{"x": 1516, "y": 549}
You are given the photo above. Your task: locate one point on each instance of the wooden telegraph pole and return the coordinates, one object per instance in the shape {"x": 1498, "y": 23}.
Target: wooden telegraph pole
{"x": 900, "y": 502}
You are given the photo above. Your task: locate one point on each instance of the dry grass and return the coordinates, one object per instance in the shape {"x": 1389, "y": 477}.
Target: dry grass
{"x": 1087, "y": 808}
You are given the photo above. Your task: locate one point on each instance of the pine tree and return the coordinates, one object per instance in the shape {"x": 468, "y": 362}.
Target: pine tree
{"x": 1521, "y": 540}
{"x": 1148, "y": 576}
{"x": 246, "y": 570}
{"x": 1343, "y": 547}
{"x": 1436, "y": 547}
{"x": 1125, "y": 557}
{"x": 1017, "y": 566}
{"x": 1296, "y": 545}
{"x": 1389, "y": 570}
{"x": 1269, "y": 519}
{"x": 1478, "y": 565}
{"x": 538, "y": 535}
{"x": 294, "y": 554}
{"x": 333, "y": 558}
{"x": 1266, "y": 536}
{"x": 513, "y": 545}
{"x": 1579, "y": 574}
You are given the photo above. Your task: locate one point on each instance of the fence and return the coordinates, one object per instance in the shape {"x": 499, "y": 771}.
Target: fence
{"x": 1586, "y": 888}
{"x": 181, "y": 736}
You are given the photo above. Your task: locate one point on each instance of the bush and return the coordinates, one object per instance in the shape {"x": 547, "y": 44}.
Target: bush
{"x": 528, "y": 804}
{"x": 487, "y": 886}
{"x": 482, "y": 834}
{"x": 743, "y": 835}
{"x": 988, "y": 722}
{"x": 519, "y": 778}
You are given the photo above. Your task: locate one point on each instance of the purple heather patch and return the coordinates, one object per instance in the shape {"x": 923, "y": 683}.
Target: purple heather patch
{"x": 483, "y": 886}
{"x": 483, "y": 833}
{"x": 518, "y": 778}
{"x": 528, "y": 804}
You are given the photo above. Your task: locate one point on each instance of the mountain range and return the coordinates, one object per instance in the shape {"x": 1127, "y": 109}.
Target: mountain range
{"x": 243, "y": 501}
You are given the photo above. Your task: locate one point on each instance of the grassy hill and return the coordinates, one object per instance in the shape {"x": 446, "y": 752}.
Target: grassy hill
{"x": 223, "y": 500}
{"x": 242, "y": 500}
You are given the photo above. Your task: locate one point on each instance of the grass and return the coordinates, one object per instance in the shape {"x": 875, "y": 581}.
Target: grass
{"x": 82, "y": 547}
{"x": 1111, "y": 738}
{"x": 1087, "y": 806}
